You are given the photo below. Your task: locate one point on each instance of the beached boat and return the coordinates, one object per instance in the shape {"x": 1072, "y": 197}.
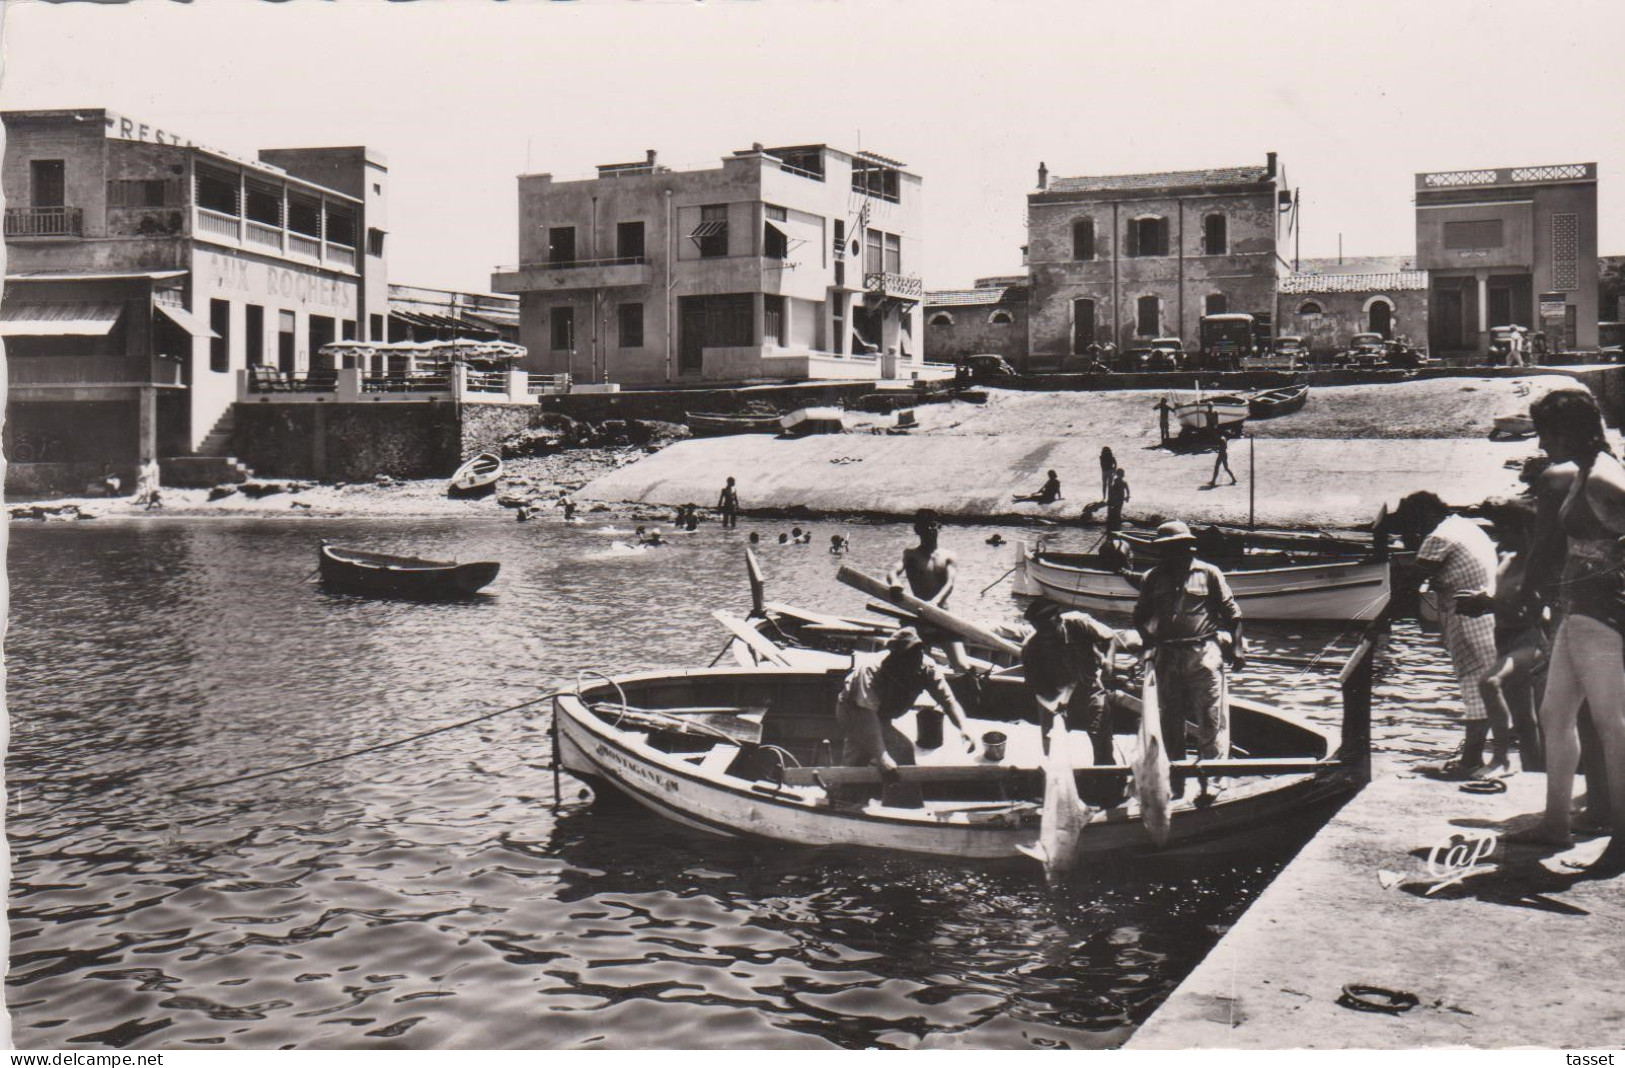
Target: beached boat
{"x": 1330, "y": 589}
{"x": 716, "y": 424}
{"x": 813, "y": 421}
{"x": 477, "y": 477}
{"x": 381, "y": 574}
{"x": 746, "y": 753}
{"x": 1516, "y": 425}
{"x": 1273, "y": 402}
{"x": 1230, "y": 413}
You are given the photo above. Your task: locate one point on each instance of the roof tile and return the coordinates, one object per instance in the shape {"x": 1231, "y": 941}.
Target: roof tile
{"x": 1159, "y": 180}
{"x": 1389, "y": 281}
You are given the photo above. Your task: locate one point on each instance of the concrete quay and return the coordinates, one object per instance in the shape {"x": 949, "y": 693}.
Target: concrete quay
{"x": 1521, "y": 952}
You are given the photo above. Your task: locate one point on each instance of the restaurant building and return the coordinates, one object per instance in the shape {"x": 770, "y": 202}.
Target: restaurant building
{"x": 780, "y": 264}
{"x": 144, "y": 271}
{"x": 1130, "y": 257}
{"x": 1509, "y": 246}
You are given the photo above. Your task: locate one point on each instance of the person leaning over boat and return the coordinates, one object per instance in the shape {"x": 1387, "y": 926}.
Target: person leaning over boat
{"x": 878, "y": 690}
{"x": 1458, "y": 560}
{"x": 1062, "y": 661}
{"x": 1188, "y": 618}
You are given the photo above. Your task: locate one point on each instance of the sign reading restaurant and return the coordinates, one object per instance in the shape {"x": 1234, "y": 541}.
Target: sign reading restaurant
{"x": 123, "y": 128}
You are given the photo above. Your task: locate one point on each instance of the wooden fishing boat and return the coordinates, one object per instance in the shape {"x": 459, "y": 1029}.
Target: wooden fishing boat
{"x": 716, "y": 424}
{"x": 1516, "y": 425}
{"x": 813, "y": 421}
{"x": 1273, "y": 402}
{"x": 1330, "y": 589}
{"x": 477, "y": 477}
{"x": 380, "y": 574}
{"x": 1217, "y": 542}
{"x": 1229, "y": 411}
{"x": 746, "y": 753}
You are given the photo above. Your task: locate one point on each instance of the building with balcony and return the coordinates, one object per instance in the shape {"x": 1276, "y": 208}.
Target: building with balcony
{"x": 1130, "y": 257}
{"x": 1509, "y": 245}
{"x": 145, "y": 271}
{"x": 782, "y": 263}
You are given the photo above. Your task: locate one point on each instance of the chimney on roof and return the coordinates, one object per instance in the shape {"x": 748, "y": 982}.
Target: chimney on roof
{"x": 649, "y": 156}
{"x": 755, "y": 146}
{"x": 1043, "y": 176}
{"x": 1270, "y": 169}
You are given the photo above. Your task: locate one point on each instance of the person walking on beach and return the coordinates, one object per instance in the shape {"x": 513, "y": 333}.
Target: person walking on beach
{"x": 1164, "y": 409}
{"x": 1108, "y": 468}
{"x": 1221, "y": 462}
{"x": 728, "y": 504}
{"x": 1116, "y": 497}
{"x": 878, "y": 690}
{"x": 1588, "y": 655}
{"x": 930, "y": 572}
{"x": 1458, "y": 560}
{"x": 1188, "y": 618}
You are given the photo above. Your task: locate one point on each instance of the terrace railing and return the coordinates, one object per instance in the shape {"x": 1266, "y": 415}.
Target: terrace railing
{"x": 44, "y": 222}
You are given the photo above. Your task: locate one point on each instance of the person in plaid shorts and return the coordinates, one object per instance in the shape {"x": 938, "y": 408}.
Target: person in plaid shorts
{"x": 1459, "y": 561}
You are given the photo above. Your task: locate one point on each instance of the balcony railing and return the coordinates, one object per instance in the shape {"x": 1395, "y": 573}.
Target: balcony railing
{"x": 44, "y": 222}
{"x": 570, "y": 265}
{"x": 263, "y": 234}
{"x": 402, "y": 383}
{"x": 217, "y": 223}
{"x": 342, "y": 255}
{"x": 486, "y": 381}
{"x": 897, "y": 286}
{"x": 540, "y": 384}
{"x": 301, "y": 245}
{"x": 264, "y": 379}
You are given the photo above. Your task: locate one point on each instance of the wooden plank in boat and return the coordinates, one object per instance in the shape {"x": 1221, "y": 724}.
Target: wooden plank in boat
{"x": 752, "y": 638}
{"x": 843, "y": 776}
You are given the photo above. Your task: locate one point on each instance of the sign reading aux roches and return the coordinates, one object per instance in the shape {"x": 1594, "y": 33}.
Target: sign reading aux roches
{"x": 276, "y": 286}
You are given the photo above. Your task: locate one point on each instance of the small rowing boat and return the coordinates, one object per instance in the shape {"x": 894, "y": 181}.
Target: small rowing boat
{"x": 383, "y": 575}
{"x": 747, "y": 753}
{"x": 717, "y": 424}
{"x": 1329, "y": 589}
{"x": 477, "y": 477}
{"x": 804, "y": 421}
{"x": 1273, "y": 402}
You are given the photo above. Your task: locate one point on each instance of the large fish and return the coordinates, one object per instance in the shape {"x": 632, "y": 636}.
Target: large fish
{"x": 1065, "y": 815}
{"x": 1151, "y": 781}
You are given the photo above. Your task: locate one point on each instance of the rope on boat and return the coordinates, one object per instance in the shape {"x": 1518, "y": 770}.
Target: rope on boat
{"x": 369, "y": 749}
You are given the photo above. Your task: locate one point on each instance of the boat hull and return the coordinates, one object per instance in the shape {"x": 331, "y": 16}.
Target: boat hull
{"x": 1356, "y": 590}
{"x": 691, "y": 792}
{"x": 1277, "y": 402}
{"x": 1228, "y": 410}
{"x": 379, "y": 575}
{"x": 477, "y": 478}
{"x": 708, "y": 425}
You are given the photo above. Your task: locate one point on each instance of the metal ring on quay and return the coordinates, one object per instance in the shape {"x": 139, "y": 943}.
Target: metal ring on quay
{"x": 1360, "y": 996}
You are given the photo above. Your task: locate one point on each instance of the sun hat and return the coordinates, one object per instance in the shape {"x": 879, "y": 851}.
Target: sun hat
{"x": 1173, "y": 532}
{"x": 904, "y": 638}
{"x": 1041, "y": 609}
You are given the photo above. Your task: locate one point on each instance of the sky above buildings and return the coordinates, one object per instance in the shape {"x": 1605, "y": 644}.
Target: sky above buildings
{"x": 463, "y": 95}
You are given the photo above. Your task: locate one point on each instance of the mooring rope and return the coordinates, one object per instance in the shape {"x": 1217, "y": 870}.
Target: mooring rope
{"x": 369, "y": 749}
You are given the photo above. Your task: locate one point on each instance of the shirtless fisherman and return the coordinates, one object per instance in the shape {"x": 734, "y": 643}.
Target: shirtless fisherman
{"x": 931, "y": 570}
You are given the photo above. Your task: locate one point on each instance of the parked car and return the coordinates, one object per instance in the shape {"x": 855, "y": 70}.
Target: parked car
{"x": 1365, "y": 352}
{"x": 1402, "y": 353}
{"x": 1611, "y": 340}
{"x": 1286, "y": 354}
{"x": 1167, "y": 354}
{"x": 981, "y": 368}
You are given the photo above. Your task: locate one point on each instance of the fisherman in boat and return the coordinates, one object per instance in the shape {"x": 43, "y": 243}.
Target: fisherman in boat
{"x": 1112, "y": 555}
{"x": 1062, "y": 662}
{"x": 930, "y": 571}
{"x": 728, "y": 504}
{"x": 1188, "y": 618}
{"x": 1049, "y": 493}
{"x": 879, "y": 689}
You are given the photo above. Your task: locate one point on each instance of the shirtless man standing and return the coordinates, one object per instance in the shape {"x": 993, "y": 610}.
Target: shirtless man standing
{"x": 930, "y": 571}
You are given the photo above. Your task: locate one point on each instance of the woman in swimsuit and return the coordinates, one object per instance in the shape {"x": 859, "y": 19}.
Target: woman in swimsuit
{"x": 1588, "y": 655}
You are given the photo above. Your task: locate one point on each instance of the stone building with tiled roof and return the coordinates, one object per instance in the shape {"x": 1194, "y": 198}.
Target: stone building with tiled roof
{"x": 990, "y": 318}
{"x": 1127, "y": 258}
{"x": 1326, "y": 309}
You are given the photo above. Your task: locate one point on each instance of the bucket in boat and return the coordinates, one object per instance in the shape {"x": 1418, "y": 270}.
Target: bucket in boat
{"x": 993, "y": 745}
{"x": 928, "y": 728}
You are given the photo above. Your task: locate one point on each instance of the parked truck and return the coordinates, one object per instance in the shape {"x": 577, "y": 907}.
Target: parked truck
{"x": 1228, "y": 339}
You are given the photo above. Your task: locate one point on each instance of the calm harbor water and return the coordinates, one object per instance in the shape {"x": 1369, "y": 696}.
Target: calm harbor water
{"x": 429, "y": 895}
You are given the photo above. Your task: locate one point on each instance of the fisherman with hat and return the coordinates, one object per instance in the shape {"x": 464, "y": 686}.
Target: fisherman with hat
{"x": 879, "y": 690}
{"x": 1062, "y": 662}
{"x": 1190, "y": 622}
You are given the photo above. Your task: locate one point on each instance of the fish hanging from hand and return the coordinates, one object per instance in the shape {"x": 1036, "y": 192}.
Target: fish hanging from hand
{"x": 1151, "y": 780}
{"x": 1065, "y": 815}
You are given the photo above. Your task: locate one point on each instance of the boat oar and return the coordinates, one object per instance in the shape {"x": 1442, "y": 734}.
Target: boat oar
{"x": 1000, "y": 579}
{"x": 933, "y": 615}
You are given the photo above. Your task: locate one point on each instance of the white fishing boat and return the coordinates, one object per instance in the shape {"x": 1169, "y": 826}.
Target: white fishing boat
{"x": 1331, "y": 589}
{"x": 814, "y": 421}
{"x": 746, "y": 753}
{"x": 1228, "y": 413}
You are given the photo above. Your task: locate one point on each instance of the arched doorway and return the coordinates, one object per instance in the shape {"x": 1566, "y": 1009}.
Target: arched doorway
{"x": 1380, "y": 318}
